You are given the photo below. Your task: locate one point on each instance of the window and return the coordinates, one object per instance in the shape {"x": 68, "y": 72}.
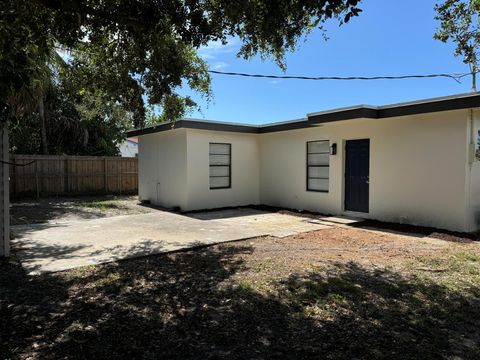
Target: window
{"x": 220, "y": 166}
{"x": 318, "y": 163}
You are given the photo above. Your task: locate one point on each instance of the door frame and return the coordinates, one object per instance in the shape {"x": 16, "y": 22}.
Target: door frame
{"x": 344, "y": 168}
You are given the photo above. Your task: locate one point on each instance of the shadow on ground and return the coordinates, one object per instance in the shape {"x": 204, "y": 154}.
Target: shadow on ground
{"x": 38, "y": 259}
{"x": 36, "y": 211}
{"x": 189, "y": 306}
{"x": 225, "y": 213}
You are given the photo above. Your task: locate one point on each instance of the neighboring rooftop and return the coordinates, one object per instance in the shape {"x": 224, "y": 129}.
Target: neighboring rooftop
{"x": 445, "y": 103}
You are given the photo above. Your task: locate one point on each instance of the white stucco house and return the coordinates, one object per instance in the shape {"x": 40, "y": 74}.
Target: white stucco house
{"x": 411, "y": 163}
{"x": 129, "y": 148}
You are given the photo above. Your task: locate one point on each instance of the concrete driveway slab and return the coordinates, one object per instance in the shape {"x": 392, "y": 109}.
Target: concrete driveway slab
{"x": 60, "y": 246}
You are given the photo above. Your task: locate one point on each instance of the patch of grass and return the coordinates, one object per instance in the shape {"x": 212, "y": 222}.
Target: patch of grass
{"x": 83, "y": 271}
{"x": 456, "y": 270}
{"x": 102, "y": 205}
{"x": 263, "y": 266}
{"x": 467, "y": 256}
{"x": 246, "y": 285}
{"x": 111, "y": 278}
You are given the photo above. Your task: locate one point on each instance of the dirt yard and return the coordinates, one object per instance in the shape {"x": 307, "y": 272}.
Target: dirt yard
{"x": 338, "y": 293}
{"x": 31, "y": 211}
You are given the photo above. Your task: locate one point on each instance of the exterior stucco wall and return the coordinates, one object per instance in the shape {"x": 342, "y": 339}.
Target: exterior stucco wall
{"x": 128, "y": 149}
{"x": 417, "y": 168}
{"x": 162, "y": 168}
{"x": 245, "y": 167}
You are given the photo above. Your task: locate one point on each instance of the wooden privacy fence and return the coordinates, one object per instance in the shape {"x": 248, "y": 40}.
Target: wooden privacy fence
{"x": 47, "y": 175}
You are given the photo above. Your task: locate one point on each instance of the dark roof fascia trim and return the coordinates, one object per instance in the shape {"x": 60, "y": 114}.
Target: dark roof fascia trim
{"x": 203, "y": 125}
{"x": 155, "y": 129}
{"x": 444, "y": 104}
{"x": 429, "y": 107}
{"x": 192, "y": 124}
{"x": 294, "y": 125}
{"x": 325, "y": 117}
{"x": 355, "y": 113}
{"x": 388, "y": 111}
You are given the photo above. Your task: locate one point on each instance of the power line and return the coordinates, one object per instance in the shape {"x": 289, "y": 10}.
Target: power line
{"x": 456, "y": 77}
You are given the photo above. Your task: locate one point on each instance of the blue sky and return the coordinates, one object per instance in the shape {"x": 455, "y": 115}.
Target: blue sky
{"x": 390, "y": 37}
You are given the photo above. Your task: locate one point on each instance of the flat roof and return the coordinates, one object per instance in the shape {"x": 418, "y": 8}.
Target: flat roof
{"x": 444, "y": 103}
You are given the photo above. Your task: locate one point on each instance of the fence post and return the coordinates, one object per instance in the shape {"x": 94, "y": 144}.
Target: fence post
{"x": 120, "y": 176}
{"x": 66, "y": 180}
{"x": 13, "y": 177}
{"x": 118, "y": 179}
{"x": 36, "y": 180}
{"x": 105, "y": 176}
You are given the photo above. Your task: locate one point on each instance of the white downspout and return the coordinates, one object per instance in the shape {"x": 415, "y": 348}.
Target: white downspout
{"x": 472, "y": 135}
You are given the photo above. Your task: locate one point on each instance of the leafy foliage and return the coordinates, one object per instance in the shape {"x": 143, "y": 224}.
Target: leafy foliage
{"x": 147, "y": 48}
{"x": 459, "y": 22}
{"x": 77, "y": 121}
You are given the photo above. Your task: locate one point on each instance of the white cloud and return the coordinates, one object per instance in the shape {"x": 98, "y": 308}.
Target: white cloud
{"x": 276, "y": 81}
{"x": 219, "y": 65}
{"x": 216, "y": 48}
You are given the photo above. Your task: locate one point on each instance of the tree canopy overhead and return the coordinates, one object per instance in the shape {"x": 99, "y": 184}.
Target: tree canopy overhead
{"x": 136, "y": 49}
{"x": 459, "y": 22}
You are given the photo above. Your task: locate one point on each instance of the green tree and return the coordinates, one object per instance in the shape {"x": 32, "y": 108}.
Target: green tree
{"x": 76, "y": 121}
{"x": 459, "y": 22}
{"x": 150, "y": 45}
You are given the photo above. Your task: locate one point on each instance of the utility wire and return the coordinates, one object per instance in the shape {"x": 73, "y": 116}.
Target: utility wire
{"x": 456, "y": 77}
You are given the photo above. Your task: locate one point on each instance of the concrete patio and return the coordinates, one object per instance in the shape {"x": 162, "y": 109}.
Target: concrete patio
{"x": 58, "y": 246}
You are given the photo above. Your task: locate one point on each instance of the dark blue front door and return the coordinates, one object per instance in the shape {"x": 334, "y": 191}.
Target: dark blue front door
{"x": 357, "y": 173}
